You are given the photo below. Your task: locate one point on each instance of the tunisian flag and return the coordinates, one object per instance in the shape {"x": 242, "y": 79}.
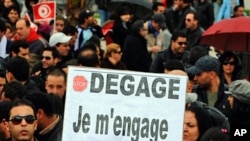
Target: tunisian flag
{"x": 44, "y": 11}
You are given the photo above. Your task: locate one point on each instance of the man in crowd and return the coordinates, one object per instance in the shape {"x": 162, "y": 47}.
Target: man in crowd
{"x": 49, "y": 123}
{"x": 61, "y": 42}
{"x": 85, "y": 19}
{"x": 4, "y": 42}
{"x": 210, "y": 87}
{"x": 20, "y": 74}
{"x": 175, "y": 52}
{"x": 157, "y": 8}
{"x": 22, "y": 121}
{"x": 25, "y": 32}
{"x": 155, "y": 33}
{"x": 56, "y": 82}
{"x": 238, "y": 11}
{"x": 19, "y": 48}
{"x": 49, "y": 59}
{"x": 193, "y": 30}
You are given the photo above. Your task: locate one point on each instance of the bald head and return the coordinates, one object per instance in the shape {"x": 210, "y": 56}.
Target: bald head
{"x": 178, "y": 72}
{"x": 183, "y": 73}
{"x": 23, "y": 29}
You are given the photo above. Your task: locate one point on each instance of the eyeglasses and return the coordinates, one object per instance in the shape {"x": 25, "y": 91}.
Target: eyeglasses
{"x": 18, "y": 119}
{"x": 119, "y": 52}
{"x": 182, "y": 43}
{"x": 45, "y": 57}
{"x": 229, "y": 63}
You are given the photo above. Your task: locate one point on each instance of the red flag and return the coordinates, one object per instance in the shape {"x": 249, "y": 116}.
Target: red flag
{"x": 32, "y": 25}
{"x": 44, "y": 11}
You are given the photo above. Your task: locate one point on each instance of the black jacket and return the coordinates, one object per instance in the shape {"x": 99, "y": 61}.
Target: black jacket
{"x": 158, "y": 64}
{"x": 135, "y": 54}
{"x": 120, "y": 33}
{"x": 105, "y": 63}
{"x": 221, "y": 103}
{"x": 193, "y": 37}
{"x": 53, "y": 135}
{"x": 205, "y": 13}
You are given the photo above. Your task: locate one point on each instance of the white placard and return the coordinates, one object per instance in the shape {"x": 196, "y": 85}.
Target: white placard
{"x": 110, "y": 105}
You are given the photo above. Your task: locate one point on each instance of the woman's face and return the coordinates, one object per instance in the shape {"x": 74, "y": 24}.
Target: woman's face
{"x": 125, "y": 17}
{"x": 8, "y": 3}
{"x": 229, "y": 66}
{"x": 117, "y": 55}
{"x": 13, "y": 16}
{"x": 191, "y": 131}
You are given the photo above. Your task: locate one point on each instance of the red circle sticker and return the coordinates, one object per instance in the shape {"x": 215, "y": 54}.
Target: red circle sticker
{"x": 80, "y": 83}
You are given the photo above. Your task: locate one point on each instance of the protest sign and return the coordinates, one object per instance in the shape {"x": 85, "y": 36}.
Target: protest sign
{"x": 110, "y": 105}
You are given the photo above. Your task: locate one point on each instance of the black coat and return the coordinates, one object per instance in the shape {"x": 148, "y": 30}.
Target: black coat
{"x": 120, "y": 33}
{"x": 221, "y": 103}
{"x": 135, "y": 54}
{"x": 163, "y": 57}
{"x": 105, "y": 63}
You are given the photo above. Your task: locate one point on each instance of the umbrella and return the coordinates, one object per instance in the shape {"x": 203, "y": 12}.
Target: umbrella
{"x": 141, "y": 7}
{"x": 144, "y": 3}
{"x": 229, "y": 34}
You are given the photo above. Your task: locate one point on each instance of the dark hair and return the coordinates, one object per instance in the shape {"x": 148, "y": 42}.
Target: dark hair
{"x": 237, "y": 7}
{"x": 28, "y": 6}
{"x": 89, "y": 45}
{"x": 156, "y": 5}
{"x": 53, "y": 50}
{"x": 14, "y": 90}
{"x": 94, "y": 39}
{"x": 216, "y": 134}
{"x": 137, "y": 26}
{"x": 69, "y": 30}
{"x": 41, "y": 101}
{"x": 197, "y": 52}
{"x": 203, "y": 119}
{"x": 187, "y": 1}
{"x": 89, "y": 59}
{"x": 22, "y": 102}
{"x": 178, "y": 34}
{"x": 124, "y": 9}
{"x": 174, "y": 65}
{"x": 194, "y": 13}
{"x": 226, "y": 56}
{"x": 4, "y": 109}
{"x": 7, "y": 11}
{"x": 2, "y": 26}
{"x": 16, "y": 45}
{"x": 57, "y": 72}
{"x": 19, "y": 67}
{"x": 57, "y": 103}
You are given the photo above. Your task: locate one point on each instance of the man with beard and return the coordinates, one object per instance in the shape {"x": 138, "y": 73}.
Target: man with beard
{"x": 210, "y": 88}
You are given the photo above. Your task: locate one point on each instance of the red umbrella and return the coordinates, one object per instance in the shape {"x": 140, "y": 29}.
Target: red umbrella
{"x": 229, "y": 34}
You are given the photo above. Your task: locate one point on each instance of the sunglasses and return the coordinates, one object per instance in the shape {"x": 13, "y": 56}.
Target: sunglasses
{"x": 229, "y": 63}
{"x": 18, "y": 119}
{"x": 45, "y": 57}
{"x": 118, "y": 52}
{"x": 182, "y": 43}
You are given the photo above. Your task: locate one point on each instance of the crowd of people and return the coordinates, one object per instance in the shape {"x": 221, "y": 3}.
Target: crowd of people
{"x": 33, "y": 65}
